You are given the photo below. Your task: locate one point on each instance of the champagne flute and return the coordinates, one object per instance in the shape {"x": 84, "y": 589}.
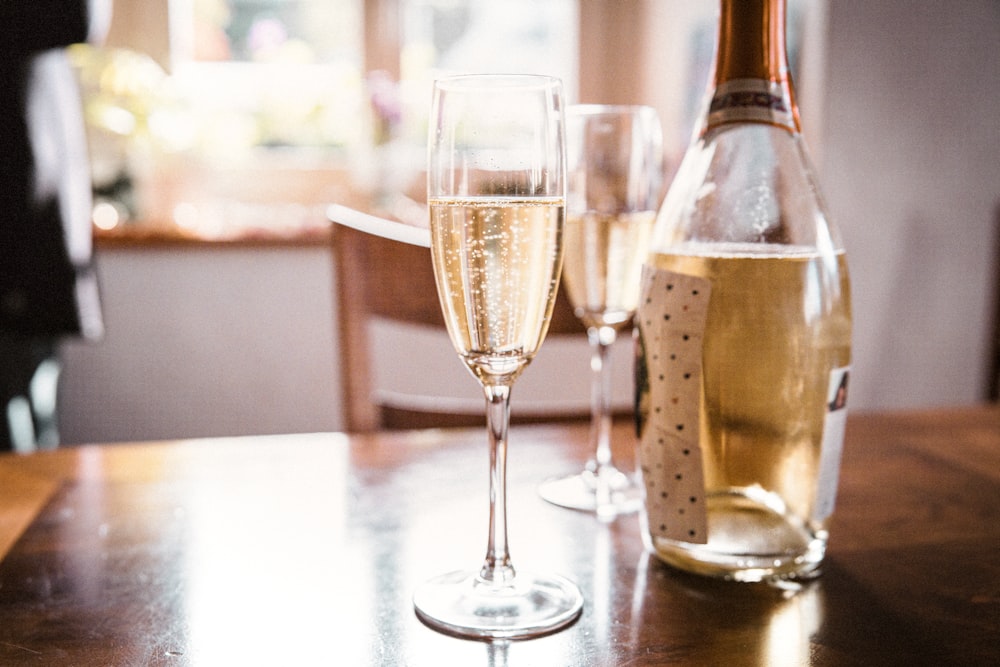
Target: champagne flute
{"x": 615, "y": 174}
{"x": 496, "y": 192}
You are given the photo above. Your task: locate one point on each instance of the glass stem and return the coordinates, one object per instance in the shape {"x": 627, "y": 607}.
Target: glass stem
{"x": 601, "y": 339}
{"x": 497, "y": 570}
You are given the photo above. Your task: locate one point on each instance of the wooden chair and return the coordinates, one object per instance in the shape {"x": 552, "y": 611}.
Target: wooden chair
{"x": 380, "y": 278}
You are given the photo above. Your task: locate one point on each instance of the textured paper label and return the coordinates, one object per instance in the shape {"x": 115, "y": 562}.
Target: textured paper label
{"x": 672, "y": 317}
{"x": 834, "y": 424}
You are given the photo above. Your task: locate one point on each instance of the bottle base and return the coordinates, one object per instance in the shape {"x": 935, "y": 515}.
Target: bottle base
{"x": 750, "y": 539}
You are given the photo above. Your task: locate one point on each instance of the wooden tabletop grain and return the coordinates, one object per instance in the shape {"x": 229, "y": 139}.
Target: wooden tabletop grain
{"x": 305, "y": 550}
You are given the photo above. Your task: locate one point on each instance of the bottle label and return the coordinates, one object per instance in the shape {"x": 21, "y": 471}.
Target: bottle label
{"x": 834, "y": 424}
{"x": 672, "y": 317}
{"x": 751, "y": 100}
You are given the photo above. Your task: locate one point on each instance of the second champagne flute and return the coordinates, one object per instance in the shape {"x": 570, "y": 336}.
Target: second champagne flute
{"x": 496, "y": 191}
{"x": 615, "y": 177}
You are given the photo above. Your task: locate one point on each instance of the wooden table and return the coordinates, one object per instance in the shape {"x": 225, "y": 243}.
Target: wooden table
{"x": 305, "y": 549}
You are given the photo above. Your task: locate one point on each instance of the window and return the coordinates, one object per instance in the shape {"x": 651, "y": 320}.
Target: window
{"x": 481, "y": 36}
{"x": 268, "y": 73}
{"x": 291, "y": 31}
{"x": 300, "y": 70}
{"x": 300, "y": 100}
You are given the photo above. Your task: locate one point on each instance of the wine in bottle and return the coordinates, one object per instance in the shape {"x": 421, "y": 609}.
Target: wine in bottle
{"x": 744, "y": 336}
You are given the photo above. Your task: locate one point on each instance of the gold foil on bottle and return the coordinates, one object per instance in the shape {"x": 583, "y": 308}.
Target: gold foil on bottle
{"x": 751, "y": 81}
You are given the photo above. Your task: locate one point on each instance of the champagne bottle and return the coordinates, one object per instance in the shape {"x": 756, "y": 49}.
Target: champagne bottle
{"x": 744, "y": 330}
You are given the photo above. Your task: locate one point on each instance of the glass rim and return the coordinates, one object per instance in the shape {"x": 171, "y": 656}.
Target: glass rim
{"x": 495, "y": 80}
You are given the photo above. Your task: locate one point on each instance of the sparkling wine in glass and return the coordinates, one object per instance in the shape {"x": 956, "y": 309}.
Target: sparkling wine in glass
{"x": 496, "y": 192}
{"x": 615, "y": 177}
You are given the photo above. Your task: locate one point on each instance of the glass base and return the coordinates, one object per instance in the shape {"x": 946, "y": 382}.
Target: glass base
{"x": 748, "y": 540}
{"x": 622, "y": 495}
{"x": 462, "y": 604}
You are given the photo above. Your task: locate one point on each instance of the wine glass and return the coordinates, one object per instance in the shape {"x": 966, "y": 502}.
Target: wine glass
{"x": 615, "y": 175}
{"x": 496, "y": 191}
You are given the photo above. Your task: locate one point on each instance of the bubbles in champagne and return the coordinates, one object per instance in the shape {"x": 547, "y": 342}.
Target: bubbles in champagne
{"x": 604, "y": 256}
{"x": 497, "y": 264}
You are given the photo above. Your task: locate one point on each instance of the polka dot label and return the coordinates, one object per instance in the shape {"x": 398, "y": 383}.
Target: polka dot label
{"x": 672, "y": 325}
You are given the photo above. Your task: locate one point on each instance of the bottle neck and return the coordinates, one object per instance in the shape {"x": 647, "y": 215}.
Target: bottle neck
{"x": 751, "y": 80}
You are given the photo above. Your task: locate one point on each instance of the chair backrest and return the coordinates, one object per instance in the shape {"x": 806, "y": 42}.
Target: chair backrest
{"x": 380, "y": 278}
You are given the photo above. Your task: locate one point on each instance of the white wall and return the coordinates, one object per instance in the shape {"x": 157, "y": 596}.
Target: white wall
{"x": 910, "y": 168}
{"x": 204, "y": 342}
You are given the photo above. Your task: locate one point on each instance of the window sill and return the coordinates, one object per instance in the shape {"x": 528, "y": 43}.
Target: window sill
{"x": 140, "y": 235}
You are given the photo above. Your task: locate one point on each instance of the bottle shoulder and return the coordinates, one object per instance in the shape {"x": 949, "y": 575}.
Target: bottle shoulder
{"x": 746, "y": 183}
